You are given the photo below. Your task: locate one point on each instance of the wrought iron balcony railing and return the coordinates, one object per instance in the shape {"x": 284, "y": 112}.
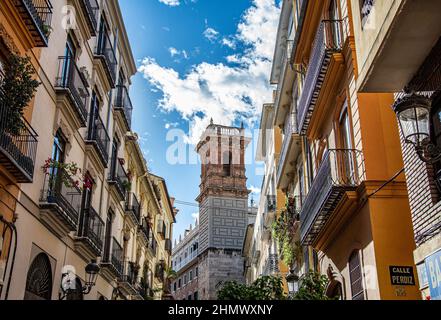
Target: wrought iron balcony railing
{"x": 91, "y": 11}
{"x": 124, "y": 105}
{"x": 119, "y": 178}
{"x": 153, "y": 245}
{"x": 99, "y": 138}
{"x": 72, "y": 80}
{"x": 133, "y": 208}
{"x": 146, "y": 230}
{"x": 340, "y": 171}
{"x": 91, "y": 229}
{"x": 328, "y": 40}
{"x": 106, "y": 53}
{"x": 130, "y": 273}
{"x": 37, "y": 15}
{"x": 271, "y": 203}
{"x": 290, "y": 128}
{"x": 18, "y": 145}
{"x": 62, "y": 194}
{"x": 114, "y": 258}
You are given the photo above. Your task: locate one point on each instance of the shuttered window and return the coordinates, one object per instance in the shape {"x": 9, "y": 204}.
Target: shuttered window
{"x": 356, "y": 276}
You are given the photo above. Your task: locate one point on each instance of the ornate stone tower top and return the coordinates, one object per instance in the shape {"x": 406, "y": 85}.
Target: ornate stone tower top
{"x": 222, "y": 152}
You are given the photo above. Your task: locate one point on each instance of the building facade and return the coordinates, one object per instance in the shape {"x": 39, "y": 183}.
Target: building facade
{"x": 223, "y": 207}
{"x": 338, "y": 155}
{"x": 404, "y": 60}
{"x": 185, "y": 263}
{"x": 76, "y": 188}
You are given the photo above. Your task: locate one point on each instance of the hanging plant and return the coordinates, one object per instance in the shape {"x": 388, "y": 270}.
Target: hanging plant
{"x": 69, "y": 174}
{"x": 17, "y": 88}
{"x": 283, "y": 232}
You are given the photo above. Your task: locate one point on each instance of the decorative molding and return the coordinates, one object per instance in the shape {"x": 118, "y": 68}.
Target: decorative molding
{"x": 8, "y": 40}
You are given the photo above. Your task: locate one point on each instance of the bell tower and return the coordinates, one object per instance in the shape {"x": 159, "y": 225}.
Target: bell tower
{"x": 223, "y": 207}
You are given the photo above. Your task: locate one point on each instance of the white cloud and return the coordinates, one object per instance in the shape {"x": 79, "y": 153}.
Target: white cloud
{"x": 229, "y": 42}
{"x": 173, "y": 51}
{"x": 222, "y": 91}
{"x": 171, "y": 3}
{"x": 211, "y": 34}
{"x": 195, "y": 216}
{"x": 179, "y": 53}
{"x": 254, "y": 190}
{"x": 171, "y": 125}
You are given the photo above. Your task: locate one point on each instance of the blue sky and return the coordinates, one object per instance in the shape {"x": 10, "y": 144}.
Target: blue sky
{"x": 197, "y": 59}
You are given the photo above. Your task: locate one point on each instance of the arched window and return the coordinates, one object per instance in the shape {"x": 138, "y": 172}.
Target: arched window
{"x": 356, "y": 276}
{"x": 39, "y": 279}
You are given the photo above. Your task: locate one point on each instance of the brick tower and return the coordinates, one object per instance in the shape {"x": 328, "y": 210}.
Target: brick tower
{"x": 223, "y": 207}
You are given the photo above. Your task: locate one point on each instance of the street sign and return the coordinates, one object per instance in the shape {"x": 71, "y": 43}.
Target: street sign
{"x": 433, "y": 267}
{"x": 402, "y": 276}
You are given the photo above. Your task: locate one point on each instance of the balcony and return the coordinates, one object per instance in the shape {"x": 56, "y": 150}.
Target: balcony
{"x": 133, "y": 209}
{"x": 162, "y": 229}
{"x": 153, "y": 246}
{"x": 37, "y": 16}
{"x": 91, "y": 10}
{"x": 340, "y": 171}
{"x": 128, "y": 280}
{"x": 112, "y": 265}
{"x": 145, "y": 231}
{"x": 106, "y": 55}
{"x": 17, "y": 148}
{"x": 160, "y": 271}
{"x": 99, "y": 139}
{"x": 168, "y": 246}
{"x": 89, "y": 241}
{"x": 71, "y": 84}
{"x": 60, "y": 202}
{"x": 285, "y": 84}
{"x": 272, "y": 265}
{"x": 388, "y": 61}
{"x": 123, "y": 106}
{"x": 270, "y": 210}
{"x": 118, "y": 179}
{"x": 326, "y": 50}
{"x": 291, "y": 149}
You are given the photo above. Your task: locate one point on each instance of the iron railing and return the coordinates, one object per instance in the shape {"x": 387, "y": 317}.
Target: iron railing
{"x": 153, "y": 245}
{"x": 61, "y": 190}
{"x": 130, "y": 272}
{"x": 290, "y": 128}
{"x": 118, "y": 177}
{"x": 117, "y": 257}
{"x": 91, "y": 8}
{"x": 133, "y": 207}
{"x": 328, "y": 40}
{"x": 92, "y": 228}
{"x": 271, "y": 203}
{"x": 37, "y": 15}
{"x": 105, "y": 51}
{"x": 18, "y": 144}
{"x": 100, "y": 138}
{"x": 341, "y": 170}
{"x": 145, "y": 229}
{"x": 124, "y": 104}
{"x": 72, "y": 79}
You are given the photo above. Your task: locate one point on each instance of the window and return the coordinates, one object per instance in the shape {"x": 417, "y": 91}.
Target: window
{"x": 179, "y": 283}
{"x": 185, "y": 280}
{"x": 356, "y": 276}
{"x": 191, "y": 276}
{"x": 94, "y": 116}
{"x": 114, "y": 159}
{"x": 175, "y": 286}
{"x": 108, "y": 236}
{"x": 58, "y": 155}
{"x": 197, "y": 272}
{"x": 39, "y": 279}
{"x": 227, "y": 159}
{"x": 195, "y": 296}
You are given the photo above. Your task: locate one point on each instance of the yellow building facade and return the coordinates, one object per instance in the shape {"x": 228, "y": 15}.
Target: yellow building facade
{"x": 340, "y": 158}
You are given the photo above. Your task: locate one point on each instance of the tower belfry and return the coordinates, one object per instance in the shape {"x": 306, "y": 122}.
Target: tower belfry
{"x": 223, "y": 206}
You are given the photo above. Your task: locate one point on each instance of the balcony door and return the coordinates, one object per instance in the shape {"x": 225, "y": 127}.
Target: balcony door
{"x": 333, "y": 31}
{"x": 102, "y": 37}
{"x": 114, "y": 158}
{"x": 58, "y": 157}
{"x": 94, "y": 115}
{"x": 69, "y": 60}
{"x": 108, "y": 237}
{"x": 346, "y": 157}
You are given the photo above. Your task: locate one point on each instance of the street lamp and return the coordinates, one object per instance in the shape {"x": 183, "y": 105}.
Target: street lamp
{"x": 70, "y": 287}
{"x": 293, "y": 282}
{"x": 413, "y": 113}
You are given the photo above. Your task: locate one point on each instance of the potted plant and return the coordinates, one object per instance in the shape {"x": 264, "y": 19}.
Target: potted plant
{"x": 17, "y": 88}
